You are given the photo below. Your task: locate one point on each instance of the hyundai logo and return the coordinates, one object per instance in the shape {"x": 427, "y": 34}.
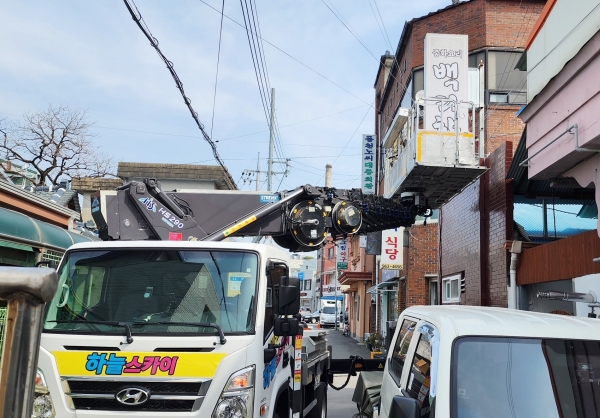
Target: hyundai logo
{"x": 133, "y": 396}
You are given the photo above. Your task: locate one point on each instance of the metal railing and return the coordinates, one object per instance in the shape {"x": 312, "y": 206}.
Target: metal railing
{"x": 26, "y": 290}
{"x": 404, "y": 159}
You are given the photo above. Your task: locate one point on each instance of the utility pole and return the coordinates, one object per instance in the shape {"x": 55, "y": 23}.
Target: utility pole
{"x": 271, "y": 143}
{"x": 258, "y": 173}
{"x": 247, "y": 173}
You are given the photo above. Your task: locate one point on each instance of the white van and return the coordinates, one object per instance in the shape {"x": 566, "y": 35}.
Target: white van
{"x": 329, "y": 308}
{"x": 467, "y": 362}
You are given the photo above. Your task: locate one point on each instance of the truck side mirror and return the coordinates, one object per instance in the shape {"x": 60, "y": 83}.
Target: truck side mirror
{"x": 289, "y": 296}
{"x": 405, "y": 407}
{"x": 286, "y": 327}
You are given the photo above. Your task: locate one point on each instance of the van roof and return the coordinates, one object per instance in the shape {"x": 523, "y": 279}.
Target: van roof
{"x": 485, "y": 321}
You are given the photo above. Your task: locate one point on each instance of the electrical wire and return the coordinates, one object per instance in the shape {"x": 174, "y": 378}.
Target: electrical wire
{"x": 383, "y": 24}
{"x": 212, "y": 122}
{"x": 291, "y": 56}
{"x": 386, "y": 40}
{"x": 154, "y": 42}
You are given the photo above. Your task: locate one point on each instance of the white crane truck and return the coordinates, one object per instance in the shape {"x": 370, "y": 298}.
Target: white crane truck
{"x": 162, "y": 319}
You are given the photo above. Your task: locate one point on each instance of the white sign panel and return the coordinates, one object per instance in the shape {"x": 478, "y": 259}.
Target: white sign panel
{"x": 446, "y": 78}
{"x": 368, "y": 164}
{"x": 362, "y": 241}
{"x": 342, "y": 254}
{"x": 392, "y": 249}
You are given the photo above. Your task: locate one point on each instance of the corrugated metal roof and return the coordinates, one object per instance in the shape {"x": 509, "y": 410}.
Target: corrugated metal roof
{"x": 532, "y": 191}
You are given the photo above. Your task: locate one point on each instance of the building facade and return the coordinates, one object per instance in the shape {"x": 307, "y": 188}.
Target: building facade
{"x": 462, "y": 254}
{"x": 558, "y": 160}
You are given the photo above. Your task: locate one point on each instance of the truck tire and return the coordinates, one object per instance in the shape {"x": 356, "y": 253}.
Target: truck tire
{"x": 320, "y": 409}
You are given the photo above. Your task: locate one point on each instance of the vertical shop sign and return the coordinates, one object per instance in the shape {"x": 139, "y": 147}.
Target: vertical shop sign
{"x": 446, "y": 77}
{"x": 368, "y": 164}
{"x": 342, "y": 254}
{"x": 392, "y": 250}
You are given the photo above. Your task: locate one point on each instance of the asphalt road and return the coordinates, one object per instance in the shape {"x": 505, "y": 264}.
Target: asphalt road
{"x": 340, "y": 403}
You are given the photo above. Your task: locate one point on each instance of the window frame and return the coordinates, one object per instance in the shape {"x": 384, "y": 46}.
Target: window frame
{"x": 392, "y": 366}
{"x": 448, "y": 281}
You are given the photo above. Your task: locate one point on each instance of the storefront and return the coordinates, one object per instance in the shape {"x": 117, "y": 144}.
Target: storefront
{"x": 25, "y": 241}
{"x": 358, "y": 301}
{"x": 387, "y": 294}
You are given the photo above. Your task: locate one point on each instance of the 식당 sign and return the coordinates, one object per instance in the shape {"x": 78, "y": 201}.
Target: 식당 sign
{"x": 392, "y": 249}
{"x": 342, "y": 254}
{"x": 368, "y": 164}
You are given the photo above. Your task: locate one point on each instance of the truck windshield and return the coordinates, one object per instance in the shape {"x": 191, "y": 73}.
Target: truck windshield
{"x": 329, "y": 310}
{"x": 143, "y": 288}
{"x": 518, "y": 377}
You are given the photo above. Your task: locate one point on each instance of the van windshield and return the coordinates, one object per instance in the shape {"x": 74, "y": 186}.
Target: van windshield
{"x": 329, "y": 310}
{"x": 144, "y": 287}
{"x": 522, "y": 377}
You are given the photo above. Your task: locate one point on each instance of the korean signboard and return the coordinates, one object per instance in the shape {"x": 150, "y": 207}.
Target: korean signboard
{"x": 392, "y": 249}
{"x": 368, "y": 164}
{"x": 446, "y": 78}
{"x": 342, "y": 254}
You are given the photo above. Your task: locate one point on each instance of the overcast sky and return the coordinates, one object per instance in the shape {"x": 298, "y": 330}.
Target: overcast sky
{"x": 91, "y": 55}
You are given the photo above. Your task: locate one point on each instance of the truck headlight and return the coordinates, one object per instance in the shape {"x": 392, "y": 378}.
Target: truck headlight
{"x": 237, "y": 399}
{"x": 42, "y": 404}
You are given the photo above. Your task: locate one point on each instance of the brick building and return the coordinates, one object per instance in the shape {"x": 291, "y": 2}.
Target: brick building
{"x": 465, "y": 247}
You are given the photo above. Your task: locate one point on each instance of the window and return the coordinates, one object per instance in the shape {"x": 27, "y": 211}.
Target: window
{"x": 401, "y": 349}
{"x": 505, "y": 375}
{"x": 307, "y": 284}
{"x": 331, "y": 252}
{"x": 419, "y": 380}
{"x": 392, "y": 311}
{"x": 505, "y": 84}
{"x": 418, "y": 81}
{"x": 451, "y": 289}
{"x": 357, "y": 300}
{"x": 149, "y": 288}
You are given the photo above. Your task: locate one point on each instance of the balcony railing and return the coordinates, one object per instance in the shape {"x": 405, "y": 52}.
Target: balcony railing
{"x": 437, "y": 162}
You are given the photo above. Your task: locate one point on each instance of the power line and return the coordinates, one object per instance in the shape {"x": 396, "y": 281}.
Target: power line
{"x": 290, "y": 56}
{"x": 212, "y": 122}
{"x": 154, "y": 42}
{"x": 385, "y": 40}
{"x": 383, "y": 24}
{"x": 352, "y": 136}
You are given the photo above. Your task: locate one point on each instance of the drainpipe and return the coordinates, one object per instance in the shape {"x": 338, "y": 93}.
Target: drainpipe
{"x": 515, "y": 249}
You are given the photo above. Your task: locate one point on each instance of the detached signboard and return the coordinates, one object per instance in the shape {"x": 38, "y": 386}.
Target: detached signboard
{"x": 342, "y": 254}
{"x": 446, "y": 78}
{"x": 368, "y": 164}
{"x": 392, "y": 249}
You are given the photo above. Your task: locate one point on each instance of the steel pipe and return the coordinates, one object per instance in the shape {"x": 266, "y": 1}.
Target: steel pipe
{"x": 26, "y": 290}
{"x": 567, "y": 296}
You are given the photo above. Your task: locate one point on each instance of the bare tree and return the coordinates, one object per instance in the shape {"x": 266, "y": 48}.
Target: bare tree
{"x": 57, "y": 143}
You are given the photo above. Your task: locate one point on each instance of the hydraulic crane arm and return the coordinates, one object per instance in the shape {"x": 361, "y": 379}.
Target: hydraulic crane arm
{"x": 298, "y": 220}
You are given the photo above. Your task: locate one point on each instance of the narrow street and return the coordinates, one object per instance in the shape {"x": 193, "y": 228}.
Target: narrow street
{"x": 339, "y": 402}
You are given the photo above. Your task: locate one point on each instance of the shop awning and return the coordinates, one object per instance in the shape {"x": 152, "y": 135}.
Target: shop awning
{"x": 16, "y": 246}
{"x": 19, "y": 229}
{"x": 382, "y": 287}
{"x": 339, "y": 297}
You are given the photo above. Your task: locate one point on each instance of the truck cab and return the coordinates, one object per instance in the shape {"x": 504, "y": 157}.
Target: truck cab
{"x": 179, "y": 329}
{"x": 466, "y": 362}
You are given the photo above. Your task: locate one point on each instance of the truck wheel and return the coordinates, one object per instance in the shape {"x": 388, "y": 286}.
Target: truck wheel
{"x": 320, "y": 409}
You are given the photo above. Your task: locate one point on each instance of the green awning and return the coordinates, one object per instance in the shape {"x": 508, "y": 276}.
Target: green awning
{"x": 16, "y": 246}
{"x": 381, "y": 287}
{"x": 21, "y": 229}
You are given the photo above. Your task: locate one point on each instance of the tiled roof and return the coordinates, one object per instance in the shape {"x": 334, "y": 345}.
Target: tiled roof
{"x": 220, "y": 176}
{"x": 95, "y": 183}
{"x": 67, "y": 196}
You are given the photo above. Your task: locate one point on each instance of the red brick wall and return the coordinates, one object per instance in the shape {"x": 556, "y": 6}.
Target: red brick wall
{"x": 422, "y": 259}
{"x": 500, "y": 215}
{"x": 489, "y": 23}
{"x": 502, "y": 125}
{"x": 509, "y": 22}
{"x": 459, "y": 236}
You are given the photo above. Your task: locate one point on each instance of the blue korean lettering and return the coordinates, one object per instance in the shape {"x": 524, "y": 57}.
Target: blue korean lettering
{"x": 115, "y": 364}
{"x": 95, "y": 362}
